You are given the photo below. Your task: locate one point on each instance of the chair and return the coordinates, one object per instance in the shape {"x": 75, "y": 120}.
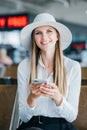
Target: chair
{"x": 11, "y": 71}
{"x": 81, "y": 121}
{"x": 8, "y": 81}
{"x": 84, "y": 72}
{"x": 7, "y": 97}
{"x": 8, "y": 88}
{"x": 2, "y": 70}
{"x": 15, "y": 115}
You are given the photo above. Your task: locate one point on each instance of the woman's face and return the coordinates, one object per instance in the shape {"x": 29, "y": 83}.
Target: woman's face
{"x": 45, "y": 37}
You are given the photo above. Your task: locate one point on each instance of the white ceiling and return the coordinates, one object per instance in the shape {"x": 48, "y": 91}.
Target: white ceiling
{"x": 73, "y": 11}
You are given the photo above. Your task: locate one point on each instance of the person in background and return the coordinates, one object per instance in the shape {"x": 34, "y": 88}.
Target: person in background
{"x": 53, "y": 104}
{"x": 4, "y": 58}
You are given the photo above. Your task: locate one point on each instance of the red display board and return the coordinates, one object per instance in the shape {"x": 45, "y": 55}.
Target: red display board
{"x": 13, "y": 22}
{"x": 79, "y": 45}
{"x": 2, "y": 22}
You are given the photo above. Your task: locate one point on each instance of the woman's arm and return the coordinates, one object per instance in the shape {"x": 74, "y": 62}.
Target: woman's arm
{"x": 25, "y": 112}
{"x": 69, "y": 106}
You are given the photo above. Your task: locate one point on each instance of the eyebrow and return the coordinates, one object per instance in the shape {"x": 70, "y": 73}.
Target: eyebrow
{"x": 36, "y": 30}
{"x": 47, "y": 29}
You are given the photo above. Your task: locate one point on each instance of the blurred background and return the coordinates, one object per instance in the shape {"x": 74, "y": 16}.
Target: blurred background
{"x": 15, "y": 14}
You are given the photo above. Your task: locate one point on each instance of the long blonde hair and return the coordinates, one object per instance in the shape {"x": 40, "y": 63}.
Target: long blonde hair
{"x": 59, "y": 71}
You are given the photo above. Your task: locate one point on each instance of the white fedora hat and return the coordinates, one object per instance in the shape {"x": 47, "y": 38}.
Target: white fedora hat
{"x": 41, "y": 20}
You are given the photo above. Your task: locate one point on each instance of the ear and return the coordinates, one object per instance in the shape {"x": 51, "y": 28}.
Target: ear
{"x": 57, "y": 38}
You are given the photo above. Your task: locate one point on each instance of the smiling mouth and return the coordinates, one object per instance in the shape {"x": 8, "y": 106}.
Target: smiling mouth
{"x": 44, "y": 43}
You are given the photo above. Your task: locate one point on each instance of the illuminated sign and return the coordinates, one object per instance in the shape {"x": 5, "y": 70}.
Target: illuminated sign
{"x": 17, "y": 21}
{"x": 78, "y": 45}
{"x": 2, "y": 22}
{"x": 13, "y": 21}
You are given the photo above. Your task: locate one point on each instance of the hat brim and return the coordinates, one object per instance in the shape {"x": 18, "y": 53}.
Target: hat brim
{"x": 65, "y": 34}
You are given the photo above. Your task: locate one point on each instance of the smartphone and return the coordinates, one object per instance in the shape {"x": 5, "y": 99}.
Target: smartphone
{"x": 39, "y": 81}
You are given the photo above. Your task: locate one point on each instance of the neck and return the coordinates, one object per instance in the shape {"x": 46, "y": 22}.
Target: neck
{"x": 48, "y": 59}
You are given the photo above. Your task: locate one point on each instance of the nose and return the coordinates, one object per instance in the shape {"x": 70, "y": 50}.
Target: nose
{"x": 44, "y": 36}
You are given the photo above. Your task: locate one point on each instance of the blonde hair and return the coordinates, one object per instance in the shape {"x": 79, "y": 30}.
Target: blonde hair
{"x": 59, "y": 70}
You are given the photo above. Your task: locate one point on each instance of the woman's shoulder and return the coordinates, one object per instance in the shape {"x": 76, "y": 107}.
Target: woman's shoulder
{"x": 71, "y": 63}
{"x": 24, "y": 63}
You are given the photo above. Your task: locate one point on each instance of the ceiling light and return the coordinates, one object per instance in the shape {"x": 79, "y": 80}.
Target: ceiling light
{"x": 86, "y": 11}
{"x": 66, "y": 3}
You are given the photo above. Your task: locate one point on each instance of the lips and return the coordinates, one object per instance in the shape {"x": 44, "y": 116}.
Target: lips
{"x": 44, "y": 43}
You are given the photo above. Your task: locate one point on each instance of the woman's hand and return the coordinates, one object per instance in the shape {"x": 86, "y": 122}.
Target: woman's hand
{"x": 52, "y": 91}
{"x": 34, "y": 94}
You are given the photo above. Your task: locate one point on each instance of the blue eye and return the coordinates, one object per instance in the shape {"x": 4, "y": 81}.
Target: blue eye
{"x": 37, "y": 33}
{"x": 49, "y": 31}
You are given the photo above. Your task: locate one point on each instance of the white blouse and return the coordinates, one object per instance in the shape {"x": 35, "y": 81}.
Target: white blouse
{"x": 45, "y": 106}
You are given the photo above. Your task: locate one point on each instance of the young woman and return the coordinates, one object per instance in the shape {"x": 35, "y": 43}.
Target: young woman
{"x": 51, "y": 103}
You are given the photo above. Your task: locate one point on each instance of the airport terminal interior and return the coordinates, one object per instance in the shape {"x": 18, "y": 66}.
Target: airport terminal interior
{"x": 14, "y": 15}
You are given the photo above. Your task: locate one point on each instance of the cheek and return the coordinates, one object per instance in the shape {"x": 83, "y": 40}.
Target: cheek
{"x": 55, "y": 38}
{"x": 37, "y": 39}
